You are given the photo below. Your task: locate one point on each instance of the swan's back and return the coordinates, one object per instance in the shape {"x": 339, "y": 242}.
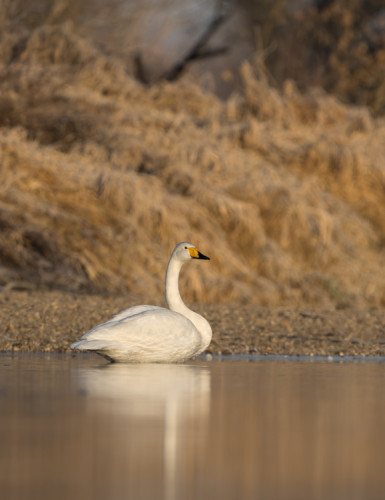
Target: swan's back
{"x": 144, "y": 334}
{"x": 132, "y": 311}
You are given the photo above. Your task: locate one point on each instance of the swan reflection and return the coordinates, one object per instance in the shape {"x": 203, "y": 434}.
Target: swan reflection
{"x": 147, "y": 389}
{"x": 172, "y": 398}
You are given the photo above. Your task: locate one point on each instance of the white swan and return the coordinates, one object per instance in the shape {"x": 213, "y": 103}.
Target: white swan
{"x": 154, "y": 334}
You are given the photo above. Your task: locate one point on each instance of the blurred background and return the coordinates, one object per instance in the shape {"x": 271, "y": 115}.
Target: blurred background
{"x": 253, "y": 129}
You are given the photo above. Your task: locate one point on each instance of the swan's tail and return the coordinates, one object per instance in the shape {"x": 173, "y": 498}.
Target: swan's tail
{"x": 89, "y": 345}
{"x": 80, "y": 344}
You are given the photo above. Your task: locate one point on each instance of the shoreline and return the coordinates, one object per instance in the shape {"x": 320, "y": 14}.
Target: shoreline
{"x": 48, "y": 321}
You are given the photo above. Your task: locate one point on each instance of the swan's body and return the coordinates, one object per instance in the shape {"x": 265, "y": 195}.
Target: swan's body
{"x": 150, "y": 333}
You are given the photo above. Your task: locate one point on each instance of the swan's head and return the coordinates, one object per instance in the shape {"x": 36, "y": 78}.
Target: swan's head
{"x": 187, "y": 251}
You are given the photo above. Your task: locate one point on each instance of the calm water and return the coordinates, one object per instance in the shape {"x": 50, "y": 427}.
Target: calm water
{"x": 76, "y": 427}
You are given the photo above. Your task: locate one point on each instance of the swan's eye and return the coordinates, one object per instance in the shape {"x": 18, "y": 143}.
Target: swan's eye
{"x": 185, "y": 248}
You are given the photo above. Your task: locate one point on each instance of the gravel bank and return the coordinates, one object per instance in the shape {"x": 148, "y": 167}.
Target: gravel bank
{"x": 49, "y": 321}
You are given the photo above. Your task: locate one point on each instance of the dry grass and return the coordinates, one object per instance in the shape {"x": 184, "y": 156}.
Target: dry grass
{"x": 338, "y": 45}
{"x": 101, "y": 177}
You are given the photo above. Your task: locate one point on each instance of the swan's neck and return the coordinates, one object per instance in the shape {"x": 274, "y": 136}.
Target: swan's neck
{"x": 175, "y": 302}
{"x": 173, "y": 298}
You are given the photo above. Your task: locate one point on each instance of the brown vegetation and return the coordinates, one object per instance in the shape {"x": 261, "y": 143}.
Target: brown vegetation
{"x": 338, "y": 45}
{"x": 100, "y": 177}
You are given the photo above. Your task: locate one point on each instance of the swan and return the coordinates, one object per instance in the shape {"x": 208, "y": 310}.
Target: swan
{"x": 152, "y": 334}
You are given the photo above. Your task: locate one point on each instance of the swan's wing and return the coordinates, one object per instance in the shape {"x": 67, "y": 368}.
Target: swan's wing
{"x": 153, "y": 334}
{"x": 132, "y": 311}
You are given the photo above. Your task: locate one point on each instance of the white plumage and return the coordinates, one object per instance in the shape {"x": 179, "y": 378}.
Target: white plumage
{"x": 150, "y": 333}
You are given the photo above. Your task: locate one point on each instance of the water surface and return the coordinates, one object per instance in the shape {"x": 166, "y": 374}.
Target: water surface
{"x": 78, "y": 427}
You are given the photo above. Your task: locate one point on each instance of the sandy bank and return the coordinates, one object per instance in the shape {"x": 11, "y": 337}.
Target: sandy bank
{"x": 50, "y": 321}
